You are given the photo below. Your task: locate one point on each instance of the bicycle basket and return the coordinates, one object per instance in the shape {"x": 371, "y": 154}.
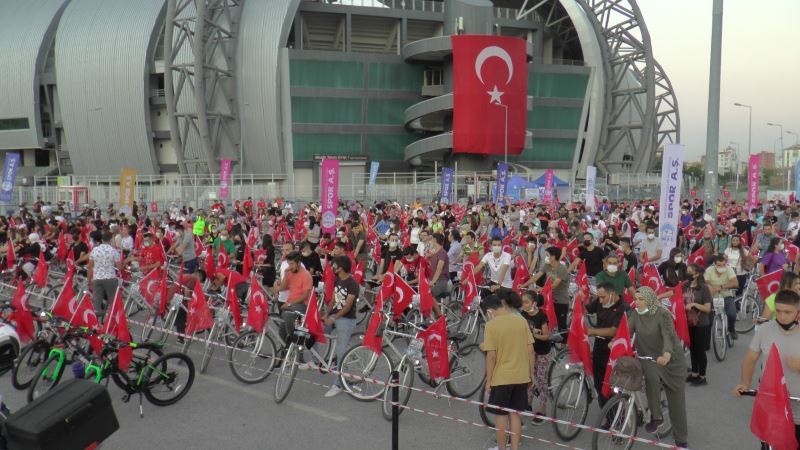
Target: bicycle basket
{"x": 628, "y": 374}
{"x": 719, "y": 304}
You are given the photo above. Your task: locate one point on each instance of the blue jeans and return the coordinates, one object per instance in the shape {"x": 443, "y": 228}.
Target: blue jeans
{"x": 730, "y": 312}
{"x": 344, "y": 330}
{"x": 190, "y": 266}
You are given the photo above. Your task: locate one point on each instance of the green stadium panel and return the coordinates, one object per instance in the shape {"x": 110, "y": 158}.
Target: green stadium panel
{"x": 551, "y": 150}
{"x": 388, "y": 147}
{"x": 327, "y": 74}
{"x": 387, "y": 111}
{"x": 306, "y": 145}
{"x": 554, "y": 118}
{"x": 395, "y": 77}
{"x": 557, "y": 85}
{"x": 326, "y": 110}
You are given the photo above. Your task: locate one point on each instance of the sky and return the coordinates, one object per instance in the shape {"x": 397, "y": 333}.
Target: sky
{"x": 760, "y": 67}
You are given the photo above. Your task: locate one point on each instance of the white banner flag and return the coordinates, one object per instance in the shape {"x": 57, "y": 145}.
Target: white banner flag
{"x": 591, "y": 176}
{"x": 669, "y": 209}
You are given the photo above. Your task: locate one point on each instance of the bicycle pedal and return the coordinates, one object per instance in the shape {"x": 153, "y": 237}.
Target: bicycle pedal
{"x": 126, "y": 398}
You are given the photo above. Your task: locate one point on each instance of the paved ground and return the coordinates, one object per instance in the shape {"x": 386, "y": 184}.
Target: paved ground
{"x": 221, "y": 412}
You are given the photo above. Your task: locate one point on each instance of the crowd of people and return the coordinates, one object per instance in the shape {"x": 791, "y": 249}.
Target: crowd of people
{"x": 523, "y": 254}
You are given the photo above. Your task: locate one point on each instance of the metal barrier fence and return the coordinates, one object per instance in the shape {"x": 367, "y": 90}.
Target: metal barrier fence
{"x": 403, "y": 187}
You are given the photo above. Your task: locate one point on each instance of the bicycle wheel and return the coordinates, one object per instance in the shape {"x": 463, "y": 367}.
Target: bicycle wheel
{"x": 156, "y": 327}
{"x": 487, "y": 416}
{"x": 619, "y": 417}
{"x": 747, "y": 314}
{"x": 285, "y": 376}
{"x": 47, "y": 379}
{"x": 363, "y": 362}
{"x": 208, "y": 347}
{"x": 29, "y": 364}
{"x": 719, "y": 340}
{"x": 557, "y": 370}
{"x": 469, "y": 328}
{"x": 171, "y": 376}
{"x": 144, "y": 354}
{"x": 467, "y": 372}
{"x": 570, "y": 404}
{"x": 252, "y": 357}
{"x": 406, "y": 382}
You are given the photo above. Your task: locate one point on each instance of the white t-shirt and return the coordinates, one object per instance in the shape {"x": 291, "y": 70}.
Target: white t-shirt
{"x": 494, "y": 265}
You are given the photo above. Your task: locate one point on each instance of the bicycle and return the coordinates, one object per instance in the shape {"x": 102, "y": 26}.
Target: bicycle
{"x": 151, "y": 375}
{"x": 73, "y": 345}
{"x": 719, "y": 333}
{"x": 748, "y": 307}
{"x": 624, "y": 412}
{"x": 467, "y": 368}
{"x": 571, "y": 401}
{"x": 32, "y": 356}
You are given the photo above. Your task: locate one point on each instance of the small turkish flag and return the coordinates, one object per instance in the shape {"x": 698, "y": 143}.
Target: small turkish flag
{"x": 549, "y": 304}
{"x": 698, "y": 257}
{"x": 149, "y": 285}
{"x": 772, "y": 420}
{"x": 22, "y": 313}
{"x": 373, "y": 340}
{"x": 582, "y": 279}
{"x": 199, "y": 316}
{"x": 578, "y": 340}
{"x": 651, "y": 278}
{"x": 436, "y": 351}
{"x": 425, "y": 296}
{"x": 404, "y": 295}
{"x": 116, "y": 324}
{"x": 313, "y": 321}
{"x": 233, "y": 300}
{"x": 490, "y": 83}
{"x": 40, "y": 275}
{"x": 572, "y": 250}
{"x": 769, "y": 283}
{"x": 620, "y": 346}
{"x": 469, "y": 286}
{"x": 678, "y": 309}
{"x": 258, "y": 310}
{"x": 329, "y": 279}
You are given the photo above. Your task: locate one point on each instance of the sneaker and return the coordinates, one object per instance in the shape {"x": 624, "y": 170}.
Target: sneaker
{"x": 681, "y": 444}
{"x": 691, "y": 378}
{"x": 538, "y": 419}
{"x": 333, "y": 391}
{"x": 700, "y": 381}
{"x": 653, "y": 425}
{"x": 734, "y": 335}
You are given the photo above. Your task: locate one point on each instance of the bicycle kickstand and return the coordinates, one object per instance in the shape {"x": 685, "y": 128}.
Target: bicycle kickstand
{"x": 141, "y": 410}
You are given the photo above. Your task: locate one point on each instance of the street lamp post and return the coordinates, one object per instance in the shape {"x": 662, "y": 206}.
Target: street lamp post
{"x": 736, "y": 155}
{"x": 711, "y": 187}
{"x": 796, "y": 137}
{"x": 780, "y": 137}
{"x": 749, "y": 127}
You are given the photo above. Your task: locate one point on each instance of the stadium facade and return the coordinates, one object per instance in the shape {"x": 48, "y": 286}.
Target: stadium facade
{"x": 173, "y": 86}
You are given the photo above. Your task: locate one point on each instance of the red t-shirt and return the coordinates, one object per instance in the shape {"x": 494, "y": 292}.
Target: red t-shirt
{"x": 152, "y": 255}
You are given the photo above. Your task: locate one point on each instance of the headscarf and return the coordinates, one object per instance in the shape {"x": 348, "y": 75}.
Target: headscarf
{"x": 650, "y": 299}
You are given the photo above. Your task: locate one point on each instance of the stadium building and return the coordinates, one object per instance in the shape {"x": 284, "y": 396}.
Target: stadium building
{"x": 170, "y": 87}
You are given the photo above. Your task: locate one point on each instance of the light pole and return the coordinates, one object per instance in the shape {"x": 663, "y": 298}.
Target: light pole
{"x": 780, "y": 137}
{"x": 749, "y": 127}
{"x": 711, "y": 187}
{"x": 796, "y": 137}
{"x": 736, "y": 156}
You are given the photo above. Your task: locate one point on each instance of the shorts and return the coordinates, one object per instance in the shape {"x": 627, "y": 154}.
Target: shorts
{"x": 510, "y": 396}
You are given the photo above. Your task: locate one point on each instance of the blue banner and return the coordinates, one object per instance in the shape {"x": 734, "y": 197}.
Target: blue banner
{"x": 373, "y": 174}
{"x": 447, "y": 185}
{"x": 502, "y": 183}
{"x": 10, "y": 168}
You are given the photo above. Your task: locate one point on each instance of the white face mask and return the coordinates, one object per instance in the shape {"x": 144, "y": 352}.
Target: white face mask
{"x": 707, "y": 217}
{"x": 496, "y": 249}
{"x": 392, "y": 244}
{"x": 651, "y": 236}
{"x": 642, "y": 311}
{"x": 612, "y": 268}
{"x": 547, "y": 259}
{"x": 678, "y": 259}
{"x": 720, "y": 269}
{"x": 531, "y": 245}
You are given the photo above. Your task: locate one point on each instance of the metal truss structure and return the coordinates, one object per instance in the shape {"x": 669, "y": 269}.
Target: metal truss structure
{"x": 641, "y": 107}
{"x": 199, "y": 81}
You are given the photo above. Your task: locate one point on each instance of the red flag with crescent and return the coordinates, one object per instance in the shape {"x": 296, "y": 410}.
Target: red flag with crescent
{"x": 490, "y": 83}
{"x": 769, "y": 283}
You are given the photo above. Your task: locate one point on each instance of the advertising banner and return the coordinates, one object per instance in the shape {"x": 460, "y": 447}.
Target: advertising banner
{"x": 669, "y": 208}
{"x": 591, "y": 178}
{"x": 447, "y": 184}
{"x": 224, "y": 177}
{"x": 754, "y": 169}
{"x": 127, "y": 189}
{"x": 548, "y": 186}
{"x": 373, "y": 174}
{"x": 10, "y": 168}
{"x": 502, "y": 183}
{"x": 329, "y": 190}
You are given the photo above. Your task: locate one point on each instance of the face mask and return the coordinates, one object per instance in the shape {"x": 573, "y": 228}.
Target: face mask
{"x": 678, "y": 259}
{"x": 587, "y": 243}
{"x": 651, "y": 236}
{"x": 392, "y": 244}
{"x": 787, "y": 327}
{"x": 531, "y": 245}
{"x": 612, "y": 268}
{"x": 496, "y": 249}
{"x": 607, "y": 305}
{"x": 720, "y": 269}
{"x": 642, "y": 311}
{"x": 543, "y": 240}
{"x": 547, "y": 259}
{"x": 224, "y": 238}
{"x": 781, "y": 247}
{"x": 707, "y": 218}
{"x": 148, "y": 243}
{"x": 339, "y": 236}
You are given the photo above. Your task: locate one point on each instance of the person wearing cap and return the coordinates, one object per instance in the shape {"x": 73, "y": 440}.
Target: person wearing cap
{"x": 656, "y": 338}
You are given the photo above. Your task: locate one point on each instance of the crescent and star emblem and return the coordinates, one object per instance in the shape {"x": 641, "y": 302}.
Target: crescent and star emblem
{"x": 494, "y": 52}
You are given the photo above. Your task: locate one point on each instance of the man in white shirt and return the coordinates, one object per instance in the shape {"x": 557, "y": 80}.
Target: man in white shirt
{"x": 499, "y": 263}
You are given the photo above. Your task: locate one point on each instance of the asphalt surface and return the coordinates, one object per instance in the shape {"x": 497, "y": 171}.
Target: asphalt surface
{"x": 222, "y": 413}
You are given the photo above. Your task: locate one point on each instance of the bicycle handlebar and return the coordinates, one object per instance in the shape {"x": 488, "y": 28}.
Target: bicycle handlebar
{"x": 753, "y": 392}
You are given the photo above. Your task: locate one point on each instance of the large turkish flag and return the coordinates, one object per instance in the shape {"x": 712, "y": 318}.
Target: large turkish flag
{"x": 490, "y": 85}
